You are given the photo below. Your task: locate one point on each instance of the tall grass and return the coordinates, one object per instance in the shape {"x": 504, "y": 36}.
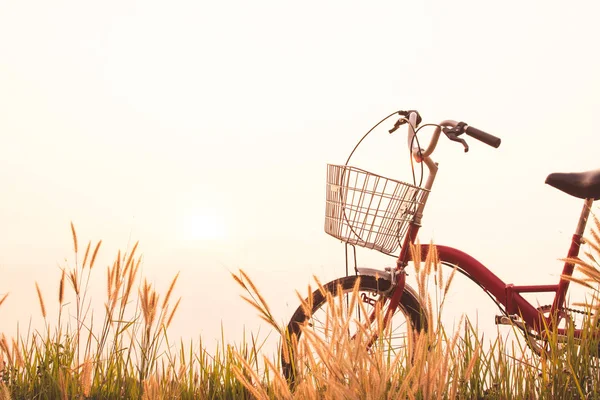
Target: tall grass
{"x": 121, "y": 352}
{"x": 124, "y": 351}
{"x": 441, "y": 364}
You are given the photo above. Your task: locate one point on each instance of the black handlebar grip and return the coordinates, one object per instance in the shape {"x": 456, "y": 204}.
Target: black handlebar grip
{"x": 486, "y": 138}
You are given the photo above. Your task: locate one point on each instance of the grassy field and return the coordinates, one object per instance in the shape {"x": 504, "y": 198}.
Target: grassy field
{"x": 127, "y": 354}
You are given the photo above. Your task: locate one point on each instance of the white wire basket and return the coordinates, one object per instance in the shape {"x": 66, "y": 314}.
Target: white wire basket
{"x": 369, "y": 210}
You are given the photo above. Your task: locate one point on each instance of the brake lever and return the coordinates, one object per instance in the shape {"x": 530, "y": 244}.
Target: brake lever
{"x": 404, "y": 120}
{"x": 401, "y": 121}
{"x": 454, "y": 133}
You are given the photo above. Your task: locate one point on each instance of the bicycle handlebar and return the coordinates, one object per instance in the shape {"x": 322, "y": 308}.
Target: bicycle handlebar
{"x": 482, "y": 136}
{"x": 451, "y": 128}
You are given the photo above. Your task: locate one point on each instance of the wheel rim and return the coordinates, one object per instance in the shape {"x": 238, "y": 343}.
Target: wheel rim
{"x": 344, "y": 319}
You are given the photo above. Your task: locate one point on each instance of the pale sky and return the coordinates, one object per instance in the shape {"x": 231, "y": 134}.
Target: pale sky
{"x": 203, "y": 129}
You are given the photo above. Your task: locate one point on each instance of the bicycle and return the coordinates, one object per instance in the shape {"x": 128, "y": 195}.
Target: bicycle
{"x": 375, "y": 212}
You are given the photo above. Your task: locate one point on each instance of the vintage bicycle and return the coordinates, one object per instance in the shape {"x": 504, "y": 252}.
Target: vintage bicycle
{"x": 372, "y": 211}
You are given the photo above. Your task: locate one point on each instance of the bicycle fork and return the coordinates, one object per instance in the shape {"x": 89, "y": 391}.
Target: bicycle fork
{"x": 398, "y": 289}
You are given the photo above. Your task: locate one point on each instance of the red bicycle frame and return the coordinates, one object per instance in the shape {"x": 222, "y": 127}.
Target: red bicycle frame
{"x": 506, "y": 294}
{"x": 509, "y": 296}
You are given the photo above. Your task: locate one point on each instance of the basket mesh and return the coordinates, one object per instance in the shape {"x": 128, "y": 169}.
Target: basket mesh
{"x": 369, "y": 210}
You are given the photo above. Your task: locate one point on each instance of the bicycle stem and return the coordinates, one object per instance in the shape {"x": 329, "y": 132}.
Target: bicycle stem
{"x": 422, "y": 157}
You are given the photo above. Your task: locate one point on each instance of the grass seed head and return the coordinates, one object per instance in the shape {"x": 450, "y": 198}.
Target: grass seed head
{"x": 130, "y": 259}
{"x": 3, "y": 298}
{"x": 85, "y": 379}
{"x": 74, "y": 237}
{"x": 73, "y": 276}
{"x": 4, "y": 392}
{"x": 109, "y": 282}
{"x": 94, "y": 254}
{"x": 173, "y": 313}
{"x": 17, "y": 353}
{"x": 87, "y": 252}
{"x": 61, "y": 288}
{"x": 4, "y": 346}
{"x": 41, "y": 300}
{"x": 166, "y": 300}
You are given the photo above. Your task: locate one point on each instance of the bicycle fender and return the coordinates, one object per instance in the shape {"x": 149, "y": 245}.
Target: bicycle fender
{"x": 376, "y": 273}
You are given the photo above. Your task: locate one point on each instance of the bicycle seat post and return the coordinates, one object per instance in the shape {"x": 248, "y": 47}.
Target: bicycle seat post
{"x": 568, "y": 268}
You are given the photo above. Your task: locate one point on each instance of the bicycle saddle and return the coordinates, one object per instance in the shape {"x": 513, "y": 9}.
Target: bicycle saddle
{"x": 584, "y": 185}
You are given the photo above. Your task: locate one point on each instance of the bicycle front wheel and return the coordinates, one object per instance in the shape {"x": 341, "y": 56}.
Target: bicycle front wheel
{"x": 356, "y": 299}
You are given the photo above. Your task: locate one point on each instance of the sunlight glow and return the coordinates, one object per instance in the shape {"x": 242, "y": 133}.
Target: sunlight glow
{"x": 204, "y": 226}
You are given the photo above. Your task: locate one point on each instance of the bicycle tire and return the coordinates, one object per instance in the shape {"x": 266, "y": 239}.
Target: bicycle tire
{"x": 409, "y": 307}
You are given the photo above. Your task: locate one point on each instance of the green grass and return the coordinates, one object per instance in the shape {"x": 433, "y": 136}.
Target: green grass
{"x": 124, "y": 351}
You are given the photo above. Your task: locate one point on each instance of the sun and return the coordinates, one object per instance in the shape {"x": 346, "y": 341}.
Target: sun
{"x": 204, "y": 226}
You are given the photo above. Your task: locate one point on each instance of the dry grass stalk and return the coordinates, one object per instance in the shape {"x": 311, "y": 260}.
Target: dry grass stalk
{"x": 166, "y": 300}
{"x": 239, "y": 281}
{"x": 74, "y": 277}
{"x": 149, "y": 300}
{"x": 129, "y": 260}
{"x": 249, "y": 377}
{"x": 415, "y": 251}
{"x": 595, "y": 232}
{"x": 280, "y": 386}
{"x": 125, "y": 270}
{"x": 440, "y": 276}
{"x": 432, "y": 259}
{"x": 473, "y": 361}
{"x": 130, "y": 280}
{"x": 590, "y": 271}
{"x": 151, "y": 389}
{"x": 117, "y": 267}
{"x": 115, "y": 290}
{"x": 4, "y": 347}
{"x": 109, "y": 283}
{"x": 137, "y": 266}
{"x": 257, "y": 306}
{"x": 87, "y": 252}
{"x": 74, "y": 237}
{"x": 305, "y": 303}
{"x": 449, "y": 281}
{"x": 144, "y": 299}
{"x": 4, "y": 392}
{"x": 62, "y": 385}
{"x": 330, "y": 351}
{"x": 85, "y": 379}
{"x": 173, "y": 313}
{"x": 262, "y": 301}
{"x": 95, "y": 254}
{"x": 61, "y": 288}
{"x": 3, "y": 298}
{"x": 18, "y": 357}
{"x": 41, "y": 300}
{"x": 582, "y": 282}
